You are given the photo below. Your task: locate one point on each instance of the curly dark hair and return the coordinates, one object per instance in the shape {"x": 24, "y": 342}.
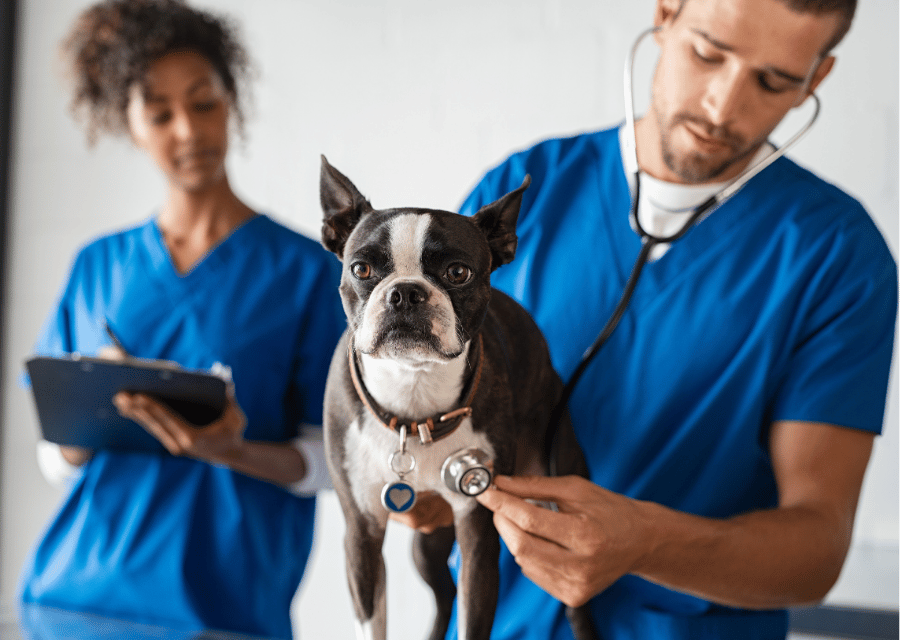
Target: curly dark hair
{"x": 113, "y": 43}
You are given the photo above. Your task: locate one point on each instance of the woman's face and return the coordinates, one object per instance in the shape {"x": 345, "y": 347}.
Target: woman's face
{"x": 179, "y": 115}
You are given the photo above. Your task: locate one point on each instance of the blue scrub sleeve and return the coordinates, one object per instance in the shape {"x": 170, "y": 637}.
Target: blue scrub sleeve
{"x": 56, "y": 336}
{"x": 838, "y": 373}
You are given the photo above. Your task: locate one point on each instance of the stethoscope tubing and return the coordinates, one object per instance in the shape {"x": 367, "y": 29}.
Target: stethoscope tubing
{"x": 648, "y": 240}
{"x": 719, "y": 198}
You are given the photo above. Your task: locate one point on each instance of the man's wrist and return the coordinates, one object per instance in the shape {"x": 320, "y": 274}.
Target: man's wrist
{"x": 651, "y": 529}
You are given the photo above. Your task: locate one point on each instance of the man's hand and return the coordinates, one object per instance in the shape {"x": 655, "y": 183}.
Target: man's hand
{"x": 764, "y": 559}
{"x": 574, "y": 554}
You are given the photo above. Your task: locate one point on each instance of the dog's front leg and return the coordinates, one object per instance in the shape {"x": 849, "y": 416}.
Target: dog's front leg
{"x": 479, "y": 576}
{"x": 430, "y": 552}
{"x": 366, "y": 576}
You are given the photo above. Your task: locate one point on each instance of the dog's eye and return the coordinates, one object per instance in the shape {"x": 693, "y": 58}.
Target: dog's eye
{"x": 361, "y": 270}
{"x": 458, "y": 273}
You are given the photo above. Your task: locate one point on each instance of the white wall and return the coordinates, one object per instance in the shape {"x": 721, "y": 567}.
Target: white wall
{"x": 413, "y": 100}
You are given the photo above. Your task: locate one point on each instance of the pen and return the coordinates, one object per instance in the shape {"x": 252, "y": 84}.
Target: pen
{"x": 115, "y": 340}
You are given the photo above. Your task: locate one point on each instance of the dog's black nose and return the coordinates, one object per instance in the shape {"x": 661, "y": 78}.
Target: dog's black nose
{"x": 406, "y": 295}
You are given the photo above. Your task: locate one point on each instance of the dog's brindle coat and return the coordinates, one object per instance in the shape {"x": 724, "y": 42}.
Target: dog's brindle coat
{"x": 416, "y": 290}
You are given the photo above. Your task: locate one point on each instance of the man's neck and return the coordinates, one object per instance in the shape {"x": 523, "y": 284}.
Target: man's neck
{"x": 648, "y": 138}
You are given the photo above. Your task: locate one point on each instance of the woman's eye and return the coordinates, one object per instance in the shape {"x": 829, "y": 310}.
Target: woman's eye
{"x": 161, "y": 118}
{"x": 361, "y": 270}
{"x": 458, "y": 273}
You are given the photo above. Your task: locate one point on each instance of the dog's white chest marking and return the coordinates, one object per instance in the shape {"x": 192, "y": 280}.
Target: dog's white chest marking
{"x": 431, "y": 388}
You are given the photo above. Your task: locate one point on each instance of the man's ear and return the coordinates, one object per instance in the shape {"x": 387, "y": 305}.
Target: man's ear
{"x": 821, "y": 72}
{"x": 666, "y": 11}
{"x": 497, "y": 221}
{"x": 664, "y": 15}
{"x": 343, "y": 206}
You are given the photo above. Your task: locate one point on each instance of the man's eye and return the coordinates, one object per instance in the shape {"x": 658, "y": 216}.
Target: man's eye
{"x": 458, "y": 273}
{"x": 704, "y": 57}
{"x": 361, "y": 270}
{"x": 774, "y": 84}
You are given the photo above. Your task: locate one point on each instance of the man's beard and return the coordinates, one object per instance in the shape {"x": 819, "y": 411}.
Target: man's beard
{"x": 696, "y": 168}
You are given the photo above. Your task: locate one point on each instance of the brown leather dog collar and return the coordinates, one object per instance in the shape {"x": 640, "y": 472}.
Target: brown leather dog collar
{"x": 431, "y": 428}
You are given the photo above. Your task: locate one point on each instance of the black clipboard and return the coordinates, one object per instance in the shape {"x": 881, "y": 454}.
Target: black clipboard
{"x": 73, "y": 396}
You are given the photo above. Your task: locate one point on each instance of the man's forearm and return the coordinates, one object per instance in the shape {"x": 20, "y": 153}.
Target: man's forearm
{"x": 761, "y": 560}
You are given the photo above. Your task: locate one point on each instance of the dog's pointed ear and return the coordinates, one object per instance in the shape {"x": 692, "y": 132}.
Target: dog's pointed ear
{"x": 497, "y": 221}
{"x": 343, "y": 206}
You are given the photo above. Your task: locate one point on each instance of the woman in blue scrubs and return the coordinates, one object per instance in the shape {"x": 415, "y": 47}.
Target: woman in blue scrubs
{"x": 214, "y": 533}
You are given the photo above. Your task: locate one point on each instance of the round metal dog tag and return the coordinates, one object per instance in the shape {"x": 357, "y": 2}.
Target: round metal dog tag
{"x": 398, "y": 497}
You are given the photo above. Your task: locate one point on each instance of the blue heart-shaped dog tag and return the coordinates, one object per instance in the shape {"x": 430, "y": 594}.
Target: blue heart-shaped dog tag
{"x": 398, "y": 497}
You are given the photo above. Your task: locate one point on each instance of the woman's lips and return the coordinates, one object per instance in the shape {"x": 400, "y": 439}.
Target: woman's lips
{"x": 197, "y": 158}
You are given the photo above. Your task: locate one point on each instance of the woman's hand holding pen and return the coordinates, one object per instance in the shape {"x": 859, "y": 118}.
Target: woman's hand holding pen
{"x": 220, "y": 441}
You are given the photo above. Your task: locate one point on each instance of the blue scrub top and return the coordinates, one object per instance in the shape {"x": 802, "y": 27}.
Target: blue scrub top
{"x": 173, "y": 541}
{"x": 779, "y": 306}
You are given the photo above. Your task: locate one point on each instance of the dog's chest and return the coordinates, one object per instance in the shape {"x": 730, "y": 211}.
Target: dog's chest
{"x": 369, "y": 446}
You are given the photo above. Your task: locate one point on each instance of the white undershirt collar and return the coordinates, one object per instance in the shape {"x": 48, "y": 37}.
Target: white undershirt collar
{"x": 664, "y": 207}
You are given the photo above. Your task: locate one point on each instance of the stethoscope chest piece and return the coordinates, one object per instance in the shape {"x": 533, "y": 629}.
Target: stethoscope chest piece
{"x": 467, "y": 472}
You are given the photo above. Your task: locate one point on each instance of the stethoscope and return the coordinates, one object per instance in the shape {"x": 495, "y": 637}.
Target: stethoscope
{"x": 648, "y": 240}
{"x": 468, "y": 471}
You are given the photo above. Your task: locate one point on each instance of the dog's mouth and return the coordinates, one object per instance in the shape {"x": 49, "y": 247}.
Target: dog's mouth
{"x": 425, "y": 333}
{"x": 406, "y": 333}
{"x": 407, "y": 340}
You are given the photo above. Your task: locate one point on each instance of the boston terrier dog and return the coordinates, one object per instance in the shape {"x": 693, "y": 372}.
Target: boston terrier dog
{"x": 439, "y": 382}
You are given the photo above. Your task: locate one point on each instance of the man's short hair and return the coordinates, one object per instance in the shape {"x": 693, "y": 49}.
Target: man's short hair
{"x": 846, "y": 9}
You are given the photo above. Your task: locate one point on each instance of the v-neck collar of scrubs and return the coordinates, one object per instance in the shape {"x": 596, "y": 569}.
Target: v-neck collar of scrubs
{"x": 684, "y": 256}
{"x": 209, "y": 264}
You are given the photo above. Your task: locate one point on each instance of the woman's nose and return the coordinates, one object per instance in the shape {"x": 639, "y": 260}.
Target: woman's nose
{"x": 184, "y": 125}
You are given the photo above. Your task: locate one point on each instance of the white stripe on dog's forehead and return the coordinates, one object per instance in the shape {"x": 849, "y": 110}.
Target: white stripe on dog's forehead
{"x": 407, "y": 233}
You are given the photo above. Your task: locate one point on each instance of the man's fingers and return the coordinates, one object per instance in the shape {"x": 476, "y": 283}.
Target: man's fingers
{"x": 534, "y": 487}
{"x": 557, "y": 569}
{"x": 529, "y": 518}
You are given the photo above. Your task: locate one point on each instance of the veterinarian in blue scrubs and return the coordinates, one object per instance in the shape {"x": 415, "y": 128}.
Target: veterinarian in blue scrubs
{"x": 216, "y": 533}
{"x": 729, "y": 420}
